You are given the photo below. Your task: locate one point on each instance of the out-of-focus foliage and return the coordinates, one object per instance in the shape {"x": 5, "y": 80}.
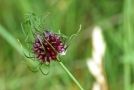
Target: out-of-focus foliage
{"x": 115, "y": 17}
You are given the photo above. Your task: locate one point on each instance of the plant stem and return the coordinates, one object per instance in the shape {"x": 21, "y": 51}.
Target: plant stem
{"x": 71, "y": 76}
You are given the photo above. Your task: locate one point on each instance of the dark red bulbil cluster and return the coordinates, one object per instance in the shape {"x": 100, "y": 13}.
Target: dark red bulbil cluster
{"x": 47, "y": 46}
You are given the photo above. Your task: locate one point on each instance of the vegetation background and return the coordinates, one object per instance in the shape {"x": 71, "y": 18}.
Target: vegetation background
{"x": 114, "y": 17}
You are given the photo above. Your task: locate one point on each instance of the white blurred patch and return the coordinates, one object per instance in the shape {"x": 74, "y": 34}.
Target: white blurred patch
{"x": 96, "y": 86}
{"x": 98, "y": 45}
{"x": 63, "y": 53}
{"x": 95, "y": 63}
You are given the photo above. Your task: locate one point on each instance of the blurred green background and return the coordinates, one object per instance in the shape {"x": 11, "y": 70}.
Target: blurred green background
{"x": 114, "y": 17}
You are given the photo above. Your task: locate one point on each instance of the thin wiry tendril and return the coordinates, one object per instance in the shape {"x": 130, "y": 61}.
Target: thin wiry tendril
{"x": 42, "y": 70}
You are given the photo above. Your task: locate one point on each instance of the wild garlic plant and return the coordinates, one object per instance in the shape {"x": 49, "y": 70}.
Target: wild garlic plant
{"x": 45, "y": 45}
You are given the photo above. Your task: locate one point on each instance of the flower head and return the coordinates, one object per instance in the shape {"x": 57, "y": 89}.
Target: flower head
{"x": 47, "y": 46}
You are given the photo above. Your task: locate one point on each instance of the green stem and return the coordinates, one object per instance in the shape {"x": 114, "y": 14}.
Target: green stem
{"x": 71, "y": 76}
